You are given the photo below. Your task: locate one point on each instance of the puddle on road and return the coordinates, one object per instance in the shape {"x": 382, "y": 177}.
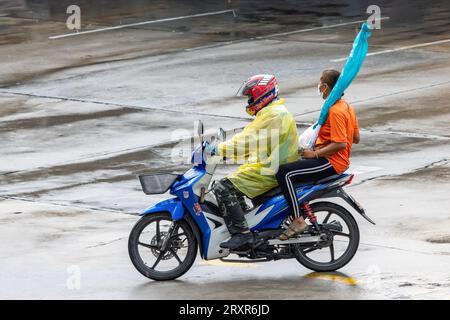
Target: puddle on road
{"x": 382, "y": 143}
{"x": 109, "y": 183}
{"x": 12, "y": 105}
{"x": 439, "y": 239}
{"x": 408, "y": 112}
{"x": 48, "y": 121}
{"x": 439, "y": 173}
{"x": 134, "y": 162}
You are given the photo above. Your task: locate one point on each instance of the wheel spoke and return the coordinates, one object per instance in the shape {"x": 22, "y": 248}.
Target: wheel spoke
{"x": 332, "y": 251}
{"x": 338, "y": 233}
{"x": 161, "y": 254}
{"x": 150, "y": 246}
{"x": 309, "y": 250}
{"x": 178, "y": 235}
{"x": 178, "y": 246}
{"x": 340, "y": 229}
{"x": 175, "y": 255}
{"x": 327, "y": 217}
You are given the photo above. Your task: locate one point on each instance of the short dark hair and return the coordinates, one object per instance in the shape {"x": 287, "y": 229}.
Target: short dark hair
{"x": 330, "y": 77}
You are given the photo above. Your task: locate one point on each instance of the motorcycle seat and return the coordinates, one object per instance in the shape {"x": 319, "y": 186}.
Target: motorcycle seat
{"x": 277, "y": 190}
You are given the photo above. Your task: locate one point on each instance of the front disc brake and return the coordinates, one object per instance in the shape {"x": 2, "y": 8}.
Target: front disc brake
{"x": 168, "y": 254}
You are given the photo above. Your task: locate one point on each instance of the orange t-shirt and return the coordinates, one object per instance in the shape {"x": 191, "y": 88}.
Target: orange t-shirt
{"x": 340, "y": 126}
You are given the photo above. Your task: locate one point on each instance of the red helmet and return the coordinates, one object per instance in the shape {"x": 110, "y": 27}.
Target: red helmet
{"x": 261, "y": 89}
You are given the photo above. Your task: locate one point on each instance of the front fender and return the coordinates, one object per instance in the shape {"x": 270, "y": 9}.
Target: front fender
{"x": 176, "y": 210}
{"x": 173, "y": 206}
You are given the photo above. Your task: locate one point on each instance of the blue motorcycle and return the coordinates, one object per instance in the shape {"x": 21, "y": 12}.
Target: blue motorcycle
{"x": 163, "y": 244}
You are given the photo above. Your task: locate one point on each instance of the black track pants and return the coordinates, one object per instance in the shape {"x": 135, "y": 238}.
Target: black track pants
{"x": 305, "y": 170}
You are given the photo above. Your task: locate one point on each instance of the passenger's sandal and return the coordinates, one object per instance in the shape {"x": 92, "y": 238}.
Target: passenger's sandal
{"x": 292, "y": 231}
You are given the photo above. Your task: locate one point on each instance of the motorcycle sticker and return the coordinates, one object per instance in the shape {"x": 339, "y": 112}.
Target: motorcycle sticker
{"x": 197, "y": 208}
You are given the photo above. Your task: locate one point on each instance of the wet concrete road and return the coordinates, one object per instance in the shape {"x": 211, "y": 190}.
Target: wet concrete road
{"x": 81, "y": 116}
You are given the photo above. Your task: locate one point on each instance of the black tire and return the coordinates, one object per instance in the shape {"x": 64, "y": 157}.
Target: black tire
{"x": 349, "y": 252}
{"x": 138, "y": 262}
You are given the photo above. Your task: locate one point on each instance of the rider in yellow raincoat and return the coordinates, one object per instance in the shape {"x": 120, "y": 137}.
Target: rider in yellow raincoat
{"x": 269, "y": 141}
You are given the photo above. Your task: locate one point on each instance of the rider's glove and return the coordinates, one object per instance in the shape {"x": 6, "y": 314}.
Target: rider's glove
{"x": 211, "y": 148}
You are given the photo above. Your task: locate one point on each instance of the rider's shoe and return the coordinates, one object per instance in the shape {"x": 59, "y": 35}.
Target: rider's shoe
{"x": 238, "y": 240}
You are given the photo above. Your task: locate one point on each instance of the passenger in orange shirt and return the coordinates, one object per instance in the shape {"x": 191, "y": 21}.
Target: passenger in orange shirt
{"x": 330, "y": 156}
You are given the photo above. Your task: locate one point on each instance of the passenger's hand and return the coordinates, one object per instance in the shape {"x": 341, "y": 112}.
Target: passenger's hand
{"x": 211, "y": 148}
{"x": 309, "y": 154}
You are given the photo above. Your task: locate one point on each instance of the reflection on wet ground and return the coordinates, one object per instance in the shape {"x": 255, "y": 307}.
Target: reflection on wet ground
{"x": 335, "y": 285}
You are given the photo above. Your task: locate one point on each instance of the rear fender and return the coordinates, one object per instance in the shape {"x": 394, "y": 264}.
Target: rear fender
{"x": 321, "y": 190}
{"x": 340, "y": 193}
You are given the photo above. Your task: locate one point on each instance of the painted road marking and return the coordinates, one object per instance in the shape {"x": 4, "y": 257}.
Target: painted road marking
{"x": 208, "y": 46}
{"x": 316, "y": 28}
{"x": 399, "y": 49}
{"x": 218, "y": 44}
{"x": 333, "y": 277}
{"x": 110, "y": 103}
{"x": 141, "y": 24}
{"x": 356, "y": 169}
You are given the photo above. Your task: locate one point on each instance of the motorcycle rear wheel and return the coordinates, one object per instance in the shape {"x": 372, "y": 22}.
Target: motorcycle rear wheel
{"x": 352, "y": 234}
{"x": 182, "y": 238}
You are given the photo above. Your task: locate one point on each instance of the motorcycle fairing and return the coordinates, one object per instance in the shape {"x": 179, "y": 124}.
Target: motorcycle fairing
{"x": 304, "y": 193}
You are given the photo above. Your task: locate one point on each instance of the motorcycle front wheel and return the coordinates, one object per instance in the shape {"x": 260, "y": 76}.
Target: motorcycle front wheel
{"x": 340, "y": 246}
{"x": 146, "y": 246}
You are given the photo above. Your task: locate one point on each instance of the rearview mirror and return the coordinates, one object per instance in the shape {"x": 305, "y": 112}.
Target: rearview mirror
{"x": 199, "y": 127}
{"x": 221, "y": 134}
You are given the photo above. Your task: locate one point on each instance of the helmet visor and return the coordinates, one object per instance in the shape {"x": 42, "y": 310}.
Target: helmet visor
{"x": 245, "y": 87}
{"x": 242, "y": 89}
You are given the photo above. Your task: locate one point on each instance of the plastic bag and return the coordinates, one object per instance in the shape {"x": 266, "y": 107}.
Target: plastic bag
{"x": 308, "y": 138}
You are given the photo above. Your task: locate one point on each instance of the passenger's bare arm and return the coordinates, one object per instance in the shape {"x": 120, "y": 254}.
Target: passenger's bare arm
{"x": 356, "y": 137}
{"x": 330, "y": 149}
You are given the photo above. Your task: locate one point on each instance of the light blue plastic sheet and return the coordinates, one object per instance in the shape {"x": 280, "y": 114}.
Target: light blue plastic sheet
{"x": 349, "y": 72}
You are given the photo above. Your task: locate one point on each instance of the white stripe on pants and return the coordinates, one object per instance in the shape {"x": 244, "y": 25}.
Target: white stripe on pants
{"x": 291, "y": 185}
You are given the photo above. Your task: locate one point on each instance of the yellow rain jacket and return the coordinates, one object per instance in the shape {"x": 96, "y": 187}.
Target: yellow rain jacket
{"x": 270, "y": 140}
